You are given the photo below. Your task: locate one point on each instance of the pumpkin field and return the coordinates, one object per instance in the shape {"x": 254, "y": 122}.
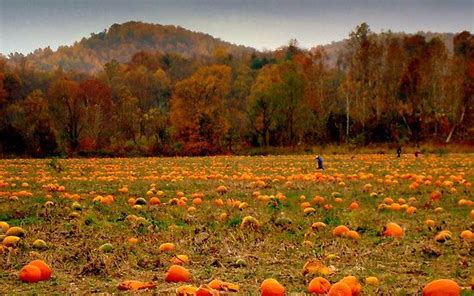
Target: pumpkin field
{"x": 236, "y": 225}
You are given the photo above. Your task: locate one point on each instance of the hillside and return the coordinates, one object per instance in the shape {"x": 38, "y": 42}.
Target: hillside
{"x": 122, "y": 41}
{"x": 334, "y": 48}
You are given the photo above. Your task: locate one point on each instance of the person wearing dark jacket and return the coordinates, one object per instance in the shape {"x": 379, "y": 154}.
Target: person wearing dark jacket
{"x": 319, "y": 162}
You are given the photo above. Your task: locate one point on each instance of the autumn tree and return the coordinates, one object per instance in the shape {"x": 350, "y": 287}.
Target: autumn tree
{"x": 98, "y": 108}
{"x": 68, "y": 110}
{"x": 197, "y": 109}
{"x": 32, "y": 118}
{"x": 128, "y": 116}
{"x": 463, "y": 78}
{"x": 262, "y": 102}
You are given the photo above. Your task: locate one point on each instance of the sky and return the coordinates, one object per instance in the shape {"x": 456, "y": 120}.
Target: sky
{"x": 26, "y": 25}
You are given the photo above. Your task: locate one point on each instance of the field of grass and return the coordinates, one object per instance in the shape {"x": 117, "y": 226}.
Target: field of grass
{"x": 272, "y": 189}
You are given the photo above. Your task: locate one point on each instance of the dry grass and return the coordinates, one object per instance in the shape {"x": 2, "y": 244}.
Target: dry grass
{"x": 214, "y": 246}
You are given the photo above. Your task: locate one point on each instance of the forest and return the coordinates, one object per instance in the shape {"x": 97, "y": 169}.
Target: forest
{"x": 145, "y": 89}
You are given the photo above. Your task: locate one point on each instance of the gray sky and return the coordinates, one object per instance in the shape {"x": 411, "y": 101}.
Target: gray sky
{"x": 264, "y": 24}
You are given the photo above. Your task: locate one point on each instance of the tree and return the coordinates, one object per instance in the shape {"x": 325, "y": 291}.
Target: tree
{"x": 463, "y": 70}
{"x": 32, "y": 118}
{"x": 289, "y": 94}
{"x": 198, "y": 113}
{"x": 128, "y": 115}
{"x": 68, "y": 110}
{"x": 98, "y": 108}
{"x": 262, "y": 102}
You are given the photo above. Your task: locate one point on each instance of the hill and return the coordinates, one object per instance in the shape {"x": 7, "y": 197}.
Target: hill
{"x": 334, "y": 48}
{"x": 122, "y": 41}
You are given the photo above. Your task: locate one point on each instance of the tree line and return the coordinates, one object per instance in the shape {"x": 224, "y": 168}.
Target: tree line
{"x": 383, "y": 88}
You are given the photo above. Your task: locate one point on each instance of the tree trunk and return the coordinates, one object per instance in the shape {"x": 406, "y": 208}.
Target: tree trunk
{"x": 448, "y": 139}
{"x": 347, "y": 118}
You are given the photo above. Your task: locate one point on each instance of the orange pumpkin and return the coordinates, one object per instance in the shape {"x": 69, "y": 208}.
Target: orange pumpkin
{"x": 353, "y": 283}
{"x": 354, "y": 205}
{"x": 442, "y": 287}
{"x": 271, "y": 287}
{"x": 44, "y": 268}
{"x": 340, "y": 289}
{"x": 167, "y": 247}
{"x": 393, "y": 230}
{"x": 177, "y": 274}
{"x": 135, "y": 285}
{"x": 206, "y": 291}
{"x": 155, "y": 201}
{"x": 353, "y": 234}
{"x": 30, "y": 274}
{"x": 435, "y": 195}
{"x": 340, "y": 230}
{"x": 319, "y": 285}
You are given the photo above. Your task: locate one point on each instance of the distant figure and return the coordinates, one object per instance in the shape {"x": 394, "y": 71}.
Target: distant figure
{"x": 319, "y": 162}
{"x": 399, "y": 151}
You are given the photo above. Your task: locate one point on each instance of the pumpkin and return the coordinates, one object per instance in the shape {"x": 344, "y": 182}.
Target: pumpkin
{"x": 318, "y": 225}
{"x": 204, "y": 290}
{"x": 224, "y": 286}
{"x": 319, "y": 285}
{"x": 155, "y": 201}
{"x": 340, "y": 230}
{"x": 372, "y": 280}
{"x": 135, "y": 285}
{"x": 44, "y": 268}
{"x": 443, "y": 236}
{"x": 133, "y": 240}
{"x": 221, "y": 189}
{"x": 271, "y": 287}
{"x": 340, "y": 289}
{"x": 166, "y": 247}
{"x": 442, "y": 287}
{"x": 353, "y": 234}
{"x": 215, "y": 284}
{"x": 353, "y": 283}
{"x": 30, "y": 274}
{"x": 16, "y": 231}
{"x": 186, "y": 290}
{"x": 10, "y": 241}
{"x": 177, "y": 274}
{"x": 435, "y": 195}
{"x": 430, "y": 223}
{"x": 218, "y": 202}
{"x": 180, "y": 259}
{"x": 467, "y": 235}
{"x": 410, "y": 210}
{"x": 249, "y": 221}
{"x": 4, "y": 227}
{"x": 305, "y": 205}
{"x": 393, "y": 230}
{"x": 40, "y": 244}
{"x": 354, "y": 206}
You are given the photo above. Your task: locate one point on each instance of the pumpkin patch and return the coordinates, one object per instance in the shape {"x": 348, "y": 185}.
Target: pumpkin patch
{"x": 233, "y": 225}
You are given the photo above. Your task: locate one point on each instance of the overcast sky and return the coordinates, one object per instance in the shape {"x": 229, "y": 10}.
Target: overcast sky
{"x": 264, "y": 24}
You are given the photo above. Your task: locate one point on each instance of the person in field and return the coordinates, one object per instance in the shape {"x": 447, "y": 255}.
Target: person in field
{"x": 319, "y": 162}
{"x": 399, "y": 151}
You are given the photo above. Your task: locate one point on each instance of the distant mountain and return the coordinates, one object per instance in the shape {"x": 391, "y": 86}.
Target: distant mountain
{"x": 122, "y": 41}
{"x": 334, "y": 48}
